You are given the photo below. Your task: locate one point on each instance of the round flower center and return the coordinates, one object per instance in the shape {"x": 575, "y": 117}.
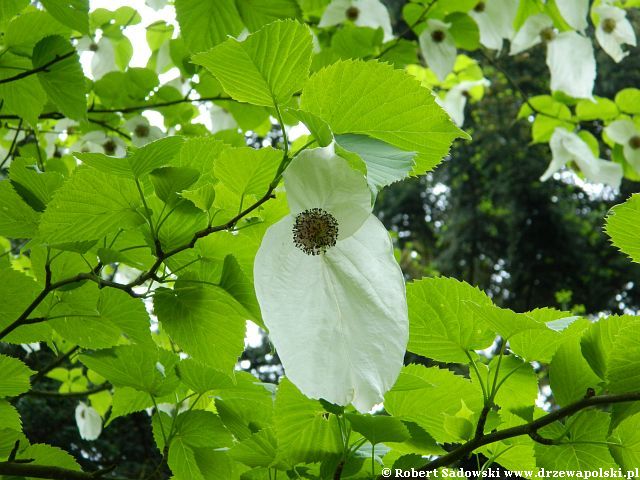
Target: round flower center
{"x": 608, "y": 25}
{"x": 547, "y": 34}
{"x": 352, "y": 13}
{"x": 634, "y": 142}
{"x": 480, "y": 6}
{"x": 315, "y": 230}
{"x": 93, "y": 47}
{"x": 437, "y": 36}
{"x": 109, "y": 147}
{"x": 466, "y": 94}
{"x": 141, "y": 130}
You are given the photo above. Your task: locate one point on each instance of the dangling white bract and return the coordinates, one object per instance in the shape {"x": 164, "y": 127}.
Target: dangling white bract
{"x": 337, "y": 314}
{"x": 438, "y": 48}
{"x": 363, "y": 13}
{"x": 495, "y": 21}
{"x": 142, "y": 132}
{"x": 103, "y": 56}
{"x": 567, "y": 146}
{"x": 574, "y": 12}
{"x": 572, "y": 64}
{"x": 626, "y": 134}
{"x": 89, "y": 422}
{"x": 456, "y": 99}
{"x": 529, "y": 34}
{"x": 613, "y": 31}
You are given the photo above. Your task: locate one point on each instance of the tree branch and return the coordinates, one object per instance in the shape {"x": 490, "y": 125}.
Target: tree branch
{"x": 15, "y": 468}
{"x": 529, "y": 428}
{"x": 91, "y": 391}
{"x": 56, "y": 363}
{"x": 42, "y": 68}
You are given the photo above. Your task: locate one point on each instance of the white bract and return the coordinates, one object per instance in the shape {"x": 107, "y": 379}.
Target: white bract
{"x": 574, "y": 12}
{"x": 572, "y": 64}
{"x": 363, "y": 13}
{"x": 613, "y": 31}
{"x": 536, "y": 28}
{"x": 626, "y": 134}
{"x": 99, "y": 142}
{"x": 221, "y": 119}
{"x": 89, "y": 422}
{"x": 142, "y": 132}
{"x": 330, "y": 290}
{"x": 456, "y": 99}
{"x": 495, "y": 21}
{"x": 568, "y": 147}
{"x": 438, "y": 48}
{"x": 103, "y": 57}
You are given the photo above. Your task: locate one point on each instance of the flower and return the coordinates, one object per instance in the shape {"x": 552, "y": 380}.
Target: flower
{"x": 536, "y": 28}
{"x": 103, "y": 57}
{"x": 495, "y": 21}
{"x": 221, "y": 119}
{"x": 89, "y": 422}
{"x": 330, "y": 290}
{"x": 569, "y": 147}
{"x": 363, "y": 13}
{"x": 613, "y": 31}
{"x": 572, "y": 64}
{"x": 574, "y": 12}
{"x": 438, "y": 48}
{"x": 142, "y": 132}
{"x": 456, "y": 99}
{"x": 99, "y": 142}
{"x": 625, "y": 133}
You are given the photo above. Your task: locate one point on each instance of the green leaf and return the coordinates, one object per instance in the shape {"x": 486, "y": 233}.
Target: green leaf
{"x": 35, "y": 187}
{"x": 72, "y": 13}
{"x": 160, "y": 153}
{"x": 602, "y": 109}
{"x": 356, "y": 42}
{"x": 517, "y": 383}
{"x": 372, "y": 98}
{"x": 550, "y": 114}
{"x": 305, "y": 432}
{"x": 427, "y": 396}
{"x": 42, "y": 454}
{"x": 256, "y": 13}
{"x": 9, "y": 417}
{"x": 600, "y": 340}
{"x": 17, "y": 219}
{"x": 623, "y": 226}
{"x": 583, "y": 446}
{"x": 442, "y": 325}
{"x": 318, "y": 127}
{"x": 24, "y": 97}
{"x": 182, "y": 461}
{"x": 625, "y": 443}
{"x": 205, "y": 321}
{"x": 569, "y": 373}
{"x": 126, "y": 400}
{"x": 200, "y": 378}
{"x": 146, "y": 369}
{"x": 623, "y": 362}
{"x": 258, "y": 450}
{"x": 201, "y": 429}
{"x": 14, "y": 376}
{"x": 17, "y": 292}
{"x": 9, "y": 8}
{"x": 464, "y": 30}
{"x": 378, "y": 428}
{"x": 240, "y": 287}
{"x": 247, "y": 171}
{"x": 628, "y": 100}
{"x": 505, "y": 322}
{"x": 169, "y": 182}
{"x": 63, "y": 80}
{"x": 265, "y": 69}
{"x": 385, "y": 163}
{"x": 206, "y": 24}
{"x": 27, "y": 29}
{"x": 90, "y": 205}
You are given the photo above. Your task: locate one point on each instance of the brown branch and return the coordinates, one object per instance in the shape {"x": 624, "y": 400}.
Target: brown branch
{"x": 396, "y": 42}
{"x": 41, "y": 68}
{"x": 529, "y": 428}
{"x": 110, "y": 128}
{"x": 56, "y": 363}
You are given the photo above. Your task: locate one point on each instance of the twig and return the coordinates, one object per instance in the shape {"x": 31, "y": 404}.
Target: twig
{"x": 41, "y": 68}
{"x": 110, "y": 128}
{"x": 396, "y": 42}
{"x": 16, "y": 468}
{"x": 56, "y": 363}
{"x": 85, "y": 393}
{"x": 13, "y": 145}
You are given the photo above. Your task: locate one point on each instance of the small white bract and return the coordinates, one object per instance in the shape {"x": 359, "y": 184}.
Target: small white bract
{"x": 626, "y": 134}
{"x": 89, "y": 422}
{"x": 363, "y": 13}
{"x": 438, "y": 48}
{"x": 330, "y": 290}
{"x": 495, "y": 21}
{"x": 142, "y": 132}
{"x": 568, "y": 147}
{"x": 456, "y": 99}
{"x": 613, "y": 31}
{"x": 574, "y": 12}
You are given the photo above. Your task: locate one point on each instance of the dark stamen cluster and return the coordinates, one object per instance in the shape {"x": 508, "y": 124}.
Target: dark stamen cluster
{"x": 608, "y": 25}
{"x": 634, "y": 142}
{"x": 480, "y": 6}
{"x": 314, "y": 231}
{"x": 142, "y": 130}
{"x": 109, "y": 147}
{"x": 547, "y": 34}
{"x": 437, "y": 36}
{"x": 353, "y": 13}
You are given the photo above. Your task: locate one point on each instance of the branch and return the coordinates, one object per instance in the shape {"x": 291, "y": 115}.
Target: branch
{"x": 56, "y": 363}
{"x": 13, "y": 145}
{"x": 110, "y": 128}
{"x": 15, "y": 468}
{"x": 42, "y": 68}
{"x": 396, "y": 42}
{"x": 85, "y": 393}
{"x": 529, "y": 428}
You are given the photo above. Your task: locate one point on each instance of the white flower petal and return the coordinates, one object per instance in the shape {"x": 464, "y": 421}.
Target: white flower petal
{"x": 440, "y": 56}
{"x": 157, "y": 4}
{"x": 335, "y": 13}
{"x": 339, "y": 320}
{"x": 612, "y": 41}
{"x": 453, "y": 103}
{"x": 609, "y": 173}
{"x": 318, "y": 178}
{"x": 560, "y": 156}
{"x": 574, "y": 12}
{"x": 529, "y": 33}
{"x": 89, "y": 422}
{"x": 374, "y": 14}
{"x": 572, "y": 64}
{"x": 495, "y": 22}
{"x": 621, "y": 131}
{"x": 632, "y": 155}
{"x": 104, "y": 59}
{"x": 221, "y": 119}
